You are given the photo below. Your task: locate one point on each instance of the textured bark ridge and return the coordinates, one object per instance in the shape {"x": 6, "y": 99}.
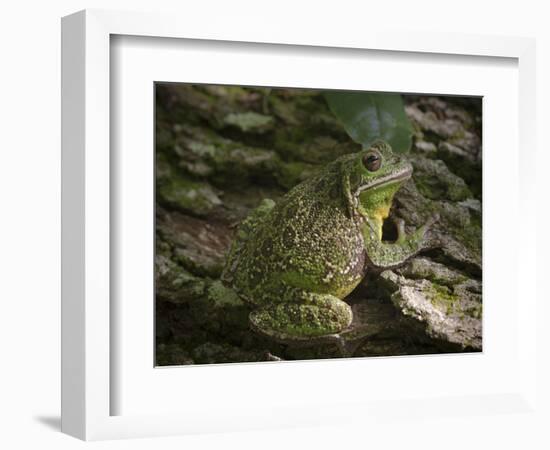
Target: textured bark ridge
{"x": 220, "y": 150}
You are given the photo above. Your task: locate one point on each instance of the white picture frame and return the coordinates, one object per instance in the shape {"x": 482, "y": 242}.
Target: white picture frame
{"x": 88, "y": 329}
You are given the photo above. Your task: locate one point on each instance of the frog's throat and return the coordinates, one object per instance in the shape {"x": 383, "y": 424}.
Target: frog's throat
{"x": 375, "y": 219}
{"x": 374, "y": 205}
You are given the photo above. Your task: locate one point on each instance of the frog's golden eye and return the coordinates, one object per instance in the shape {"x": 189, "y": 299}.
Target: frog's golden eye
{"x": 372, "y": 161}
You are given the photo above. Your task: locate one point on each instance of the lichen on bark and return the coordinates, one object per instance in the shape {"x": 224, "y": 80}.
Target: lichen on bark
{"x": 220, "y": 150}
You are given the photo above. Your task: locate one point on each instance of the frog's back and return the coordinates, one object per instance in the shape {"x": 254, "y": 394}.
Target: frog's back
{"x": 238, "y": 251}
{"x": 306, "y": 241}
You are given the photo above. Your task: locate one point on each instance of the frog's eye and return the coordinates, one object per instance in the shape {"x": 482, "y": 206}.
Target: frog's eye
{"x": 372, "y": 161}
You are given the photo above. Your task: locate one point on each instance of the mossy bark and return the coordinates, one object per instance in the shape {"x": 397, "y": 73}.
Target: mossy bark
{"x": 220, "y": 150}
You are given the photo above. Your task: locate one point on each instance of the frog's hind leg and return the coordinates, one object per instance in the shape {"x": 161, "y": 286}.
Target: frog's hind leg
{"x": 310, "y": 316}
{"x": 242, "y": 236}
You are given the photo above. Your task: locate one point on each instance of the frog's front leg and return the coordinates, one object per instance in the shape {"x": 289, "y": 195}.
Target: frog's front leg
{"x": 386, "y": 255}
{"x": 307, "y": 316}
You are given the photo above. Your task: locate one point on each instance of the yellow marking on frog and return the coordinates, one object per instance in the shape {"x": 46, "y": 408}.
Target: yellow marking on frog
{"x": 379, "y": 215}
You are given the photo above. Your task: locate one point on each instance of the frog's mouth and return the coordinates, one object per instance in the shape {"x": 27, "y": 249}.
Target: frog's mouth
{"x": 402, "y": 175}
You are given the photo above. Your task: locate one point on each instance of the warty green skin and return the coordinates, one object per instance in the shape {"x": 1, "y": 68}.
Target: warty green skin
{"x": 296, "y": 260}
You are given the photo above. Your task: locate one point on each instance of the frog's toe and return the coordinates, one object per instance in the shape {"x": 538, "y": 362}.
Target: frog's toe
{"x": 427, "y": 225}
{"x": 433, "y": 219}
{"x": 400, "y": 226}
{"x": 301, "y": 322}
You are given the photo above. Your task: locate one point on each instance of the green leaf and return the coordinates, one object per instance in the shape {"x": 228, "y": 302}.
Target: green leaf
{"x": 368, "y": 116}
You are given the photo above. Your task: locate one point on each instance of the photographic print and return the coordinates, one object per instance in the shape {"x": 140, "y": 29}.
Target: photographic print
{"x": 298, "y": 224}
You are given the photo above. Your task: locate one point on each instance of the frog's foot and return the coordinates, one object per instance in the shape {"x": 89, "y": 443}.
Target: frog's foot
{"x": 425, "y": 239}
{"x": 401, "y": 233}
{"x": 383, "y": 255}
{"x": 321, "y": 316}
{"x": 418, "y": 235}
{"x": 427, "y": 225}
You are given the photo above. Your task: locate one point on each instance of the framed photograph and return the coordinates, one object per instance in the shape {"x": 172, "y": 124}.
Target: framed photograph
{"x": 269, "y": 229}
